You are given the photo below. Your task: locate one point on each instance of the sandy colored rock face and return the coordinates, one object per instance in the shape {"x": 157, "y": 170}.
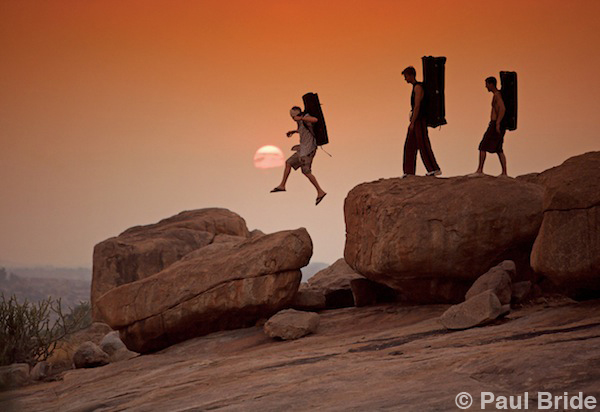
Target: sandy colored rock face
{"x": 142, "y": 251}
{"x": 221, "y": 286}
{"x": 567, "y": 249}
{"x": 478, "y": 310}
{"x": 430, "y": 238}
{"x": 291, "y": 324}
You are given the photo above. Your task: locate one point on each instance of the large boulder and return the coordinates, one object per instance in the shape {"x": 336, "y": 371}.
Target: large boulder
{"x": 567, "y": 249}
{"x": 143, "y": 251}
{"x": 430, "y": 238}
{"x": 221, "y": 286}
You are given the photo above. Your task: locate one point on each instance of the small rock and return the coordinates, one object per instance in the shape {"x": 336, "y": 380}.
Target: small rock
{"x": 99, "y": 327}
{"x": 510, "y": 267}
{"x": 478, "y": 310}
{"x": 40, "y": 371}
{"x": 520, "y": 291}
{"x": 14, "y": 375}
{"x": 111, "y": 343}
{"x": 497, "y": 279}
{"x": 291, "y": 324}
{"x": 89, "y": 355}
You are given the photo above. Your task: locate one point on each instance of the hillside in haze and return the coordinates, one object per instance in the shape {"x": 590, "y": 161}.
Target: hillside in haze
{"x": 35, "y": 284}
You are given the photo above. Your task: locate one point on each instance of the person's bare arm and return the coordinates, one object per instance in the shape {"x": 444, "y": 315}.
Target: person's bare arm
{"x": 500, "y": 111}
{"x": 310, "y": 119}
{"x": 419, "y": 93}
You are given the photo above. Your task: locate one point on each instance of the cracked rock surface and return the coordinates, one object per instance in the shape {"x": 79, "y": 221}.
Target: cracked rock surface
{"x": 142, "y": 251}
{"x": 567, "y": 249}
{"x": 430, "y": 238}
{"x": 218, "y": 287}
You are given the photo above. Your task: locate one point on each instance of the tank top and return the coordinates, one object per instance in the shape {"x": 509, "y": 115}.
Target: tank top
{"x": 422, "y": 110}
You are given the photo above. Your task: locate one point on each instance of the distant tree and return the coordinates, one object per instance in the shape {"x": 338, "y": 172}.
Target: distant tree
{"x": 3, "y": 275}
{"x": 27, "y": 334}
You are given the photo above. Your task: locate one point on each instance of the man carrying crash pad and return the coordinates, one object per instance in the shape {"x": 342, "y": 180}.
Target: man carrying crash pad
{"x": 305, "y": 152}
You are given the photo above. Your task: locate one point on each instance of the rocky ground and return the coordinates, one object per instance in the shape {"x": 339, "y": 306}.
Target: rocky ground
{"x": 385, "y": 357}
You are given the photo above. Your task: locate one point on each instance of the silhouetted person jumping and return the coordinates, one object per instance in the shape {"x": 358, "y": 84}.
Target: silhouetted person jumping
{"x": 493, "y": 139}
{"x": 417, "y": 137}
{"x": 305, "y": 152}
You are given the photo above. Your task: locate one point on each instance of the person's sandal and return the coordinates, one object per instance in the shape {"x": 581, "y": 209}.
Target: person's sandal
{"x": 319, "y": 199}
{"x": 277, "y": 189}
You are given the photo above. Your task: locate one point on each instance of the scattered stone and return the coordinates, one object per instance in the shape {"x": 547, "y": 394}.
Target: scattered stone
{"x": 14, "y": 375}
{"x": 417, "y": 237}
{"x": 112, "y": 343}
{"x": 89, "y": 355}
{"x": 497, "y": 279}
{"x": 476, "y": 311}
{"x": 291, "y": 324}
{"x": 40, "y": 371}
{"x": 510, "y": 268}
{"x": 98, "y": 329}
{"x": 62, "y": 357}
{"x": 521, "y": 291}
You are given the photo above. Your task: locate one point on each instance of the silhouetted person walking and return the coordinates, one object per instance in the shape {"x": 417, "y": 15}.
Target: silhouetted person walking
{"x": 493, "y": 139}
{"x": 305, "y": 152}
{"x": 417, "y": 137}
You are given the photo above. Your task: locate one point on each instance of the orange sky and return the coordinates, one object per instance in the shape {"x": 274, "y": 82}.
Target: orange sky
{"x": 119, "y": 113}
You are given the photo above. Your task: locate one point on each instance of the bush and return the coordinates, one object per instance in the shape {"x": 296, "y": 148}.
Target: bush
{"x": 27, "y": 332}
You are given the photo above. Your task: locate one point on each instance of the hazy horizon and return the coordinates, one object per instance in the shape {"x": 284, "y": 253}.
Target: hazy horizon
{"x": 115, "y": 114}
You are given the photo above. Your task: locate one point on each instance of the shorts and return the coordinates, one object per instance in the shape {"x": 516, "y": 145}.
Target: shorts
{"x": 492, "y": 140}
{"x": 304, "y": 162}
